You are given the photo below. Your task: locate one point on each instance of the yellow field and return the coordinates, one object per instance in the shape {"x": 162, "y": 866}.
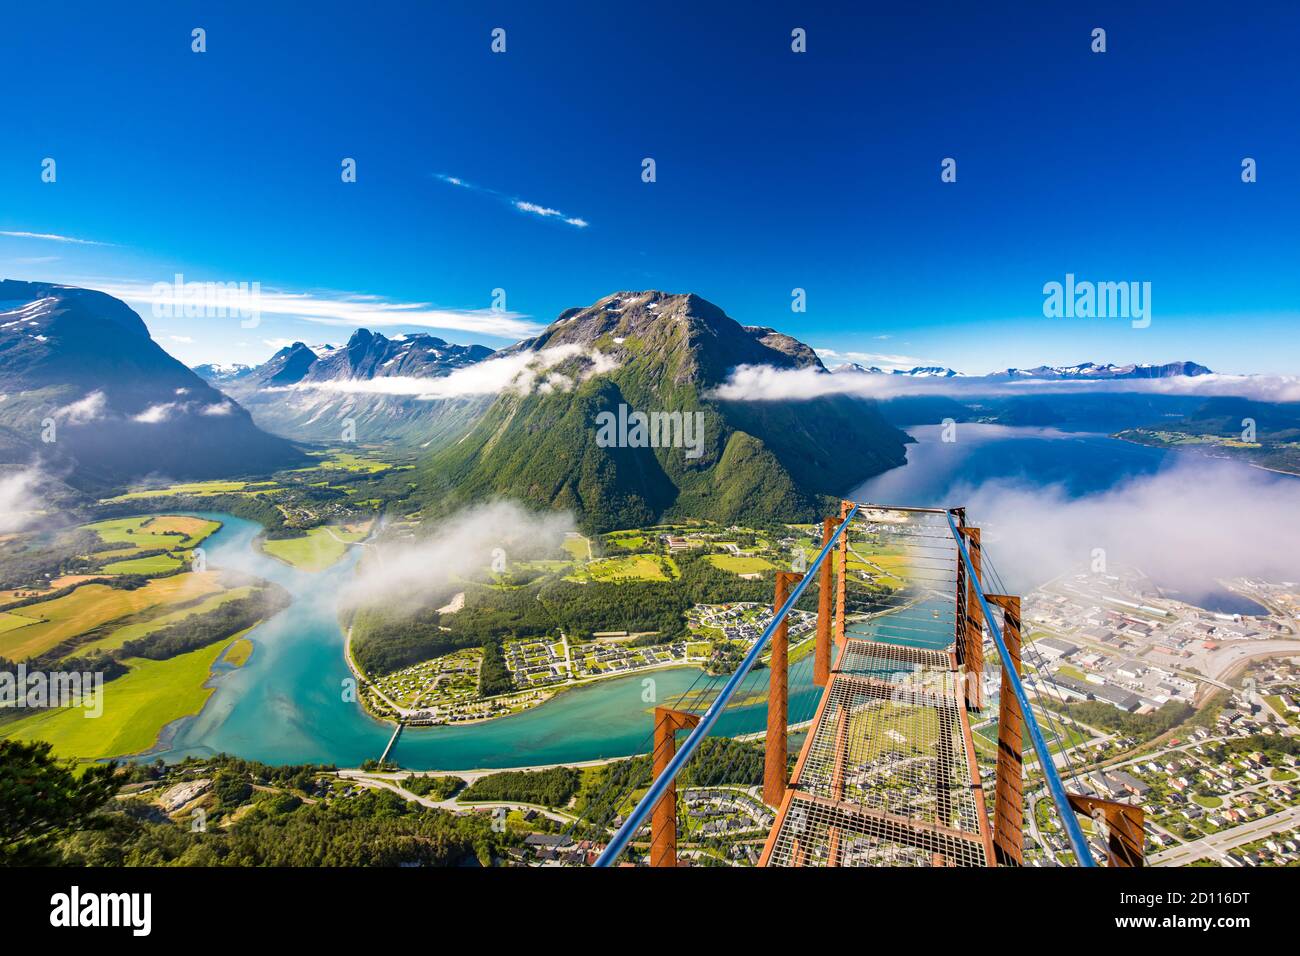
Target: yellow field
{"x": 94, "y": 604}
{"x": 132, "y": 632}
{"x": 11, "y": 622}
{"x": 239, "y": 652}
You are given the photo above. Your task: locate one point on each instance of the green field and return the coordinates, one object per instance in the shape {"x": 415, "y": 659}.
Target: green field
{"x": 316, "y": 550}
{"x": 93, "y": 605}
{"x": 578, "y": 546}
{"x": 347, "y": 461}
{"x": 137, "y": 706}
{"x": 150, "y": 532}
{"x": 739, "y": 565}
{"x": 201, "y": 488}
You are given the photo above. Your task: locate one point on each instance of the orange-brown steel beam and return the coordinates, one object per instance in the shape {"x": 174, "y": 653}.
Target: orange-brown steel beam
{"x": 976, "y": 784}
{"x": 841, "y": 575}
{"x": 1125, "y": 837}
{"x": 1008, "y": 796}
{"x": 822, "y": 654}
{"x": 663, "y": 819}
{"x": 834, "y": 853}
{"x": 973, "y": 655}
{"x": 775, "y": 768}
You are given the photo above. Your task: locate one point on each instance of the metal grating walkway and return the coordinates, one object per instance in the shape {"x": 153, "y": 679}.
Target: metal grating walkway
{"x": 888, "y": 775}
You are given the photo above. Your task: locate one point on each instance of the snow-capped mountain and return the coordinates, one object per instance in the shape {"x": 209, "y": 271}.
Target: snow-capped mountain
{"x": 217, "y": 373}
{"x": 297, "y": 392}
{"x": 1083, "y": 371}
{"x": 1091, "y": 370}
{"x": 88, "y": 392}
{"x": 919, "y": 371}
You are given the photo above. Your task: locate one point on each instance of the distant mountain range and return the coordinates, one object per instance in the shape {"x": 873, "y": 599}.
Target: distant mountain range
{"x": 1085, "y": 371}
{"x": 290, "y": 393}
{"x": 86, "y": 391}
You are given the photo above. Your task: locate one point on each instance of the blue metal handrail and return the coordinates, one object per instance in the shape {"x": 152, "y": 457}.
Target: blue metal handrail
{"x": 1054, "y": 786}
{"x": 688, "y": 748}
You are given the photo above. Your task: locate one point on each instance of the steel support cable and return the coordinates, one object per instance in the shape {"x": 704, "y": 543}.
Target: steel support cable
{"x": 646, "y": 747}
{"x": 710, "y": 717}
{"x": 1073, "y": 831}
{"x": 1043, "y": 675}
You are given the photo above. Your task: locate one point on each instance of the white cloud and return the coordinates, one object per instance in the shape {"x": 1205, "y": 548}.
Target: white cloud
{"x": 768, "y": 383}
{"x": 346, "y": 309}
{"x": 520, "y": 372}
{"x": 155, "y": 414}
{"x": 522, "y": 205}
{"x": 463, "y": 547}
{"x": 183, "y": 339}
{"x": 52, "y": 237}
{"x": 84, "y": 410}
{"x": 19, "y": 501}
{"x": 1189, "y": 524}
{"x": 883, "y": 360}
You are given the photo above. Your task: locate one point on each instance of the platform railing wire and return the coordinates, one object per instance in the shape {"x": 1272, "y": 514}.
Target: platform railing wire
{"x": 745, "y": 672}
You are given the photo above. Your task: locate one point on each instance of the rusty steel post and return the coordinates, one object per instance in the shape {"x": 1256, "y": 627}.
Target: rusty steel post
{"x": 822, "y": 654}
{"x": 841, "y": 575}
{"x": 663, "y": 819}
{"x": 959, "y": 598}
{"x": 1008, "y": 799}
{"x": 973, "y": 655}
{"x": 775, "y": 760}
{"x": 1125, "y": 835}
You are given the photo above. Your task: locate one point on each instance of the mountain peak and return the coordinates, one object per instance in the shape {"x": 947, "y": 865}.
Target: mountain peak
{"x": 695, "y": 339}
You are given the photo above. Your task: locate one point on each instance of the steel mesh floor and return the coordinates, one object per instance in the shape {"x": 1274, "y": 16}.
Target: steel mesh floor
{"x": 887, "y": 776}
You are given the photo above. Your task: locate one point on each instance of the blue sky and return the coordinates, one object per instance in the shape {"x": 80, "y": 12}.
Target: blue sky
{"x": 774, "y": 170}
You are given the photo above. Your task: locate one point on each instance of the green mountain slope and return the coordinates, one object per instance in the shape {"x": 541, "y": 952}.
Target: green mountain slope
{"x": 657, "y": 353}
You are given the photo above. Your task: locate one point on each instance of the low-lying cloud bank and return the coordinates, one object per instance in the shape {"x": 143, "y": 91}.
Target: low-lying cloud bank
{"x": 20, "y": 500}
{"x": 466, "y": 545}
{"x": 1185, "y": 526}
{"x": 519, "y": 372}
{"x": 768, "y": 383}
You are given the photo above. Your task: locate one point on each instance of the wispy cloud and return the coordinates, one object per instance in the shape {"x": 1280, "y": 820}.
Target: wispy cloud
{"x": 884, "y": 360}
{"x": 520, "y": 372}
{"x": 345, "y": 309}
{"x": 52, "y": 237}
{"x": 767, "y": 383}
{"x": 20, "y": 501}
{"x": 522, "y": 205}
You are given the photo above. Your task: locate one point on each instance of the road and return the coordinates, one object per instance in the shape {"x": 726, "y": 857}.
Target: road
{"x": 384, "y": 783}
{"x": 1238, "y": 652}
{"x": 1216, "y": 845}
